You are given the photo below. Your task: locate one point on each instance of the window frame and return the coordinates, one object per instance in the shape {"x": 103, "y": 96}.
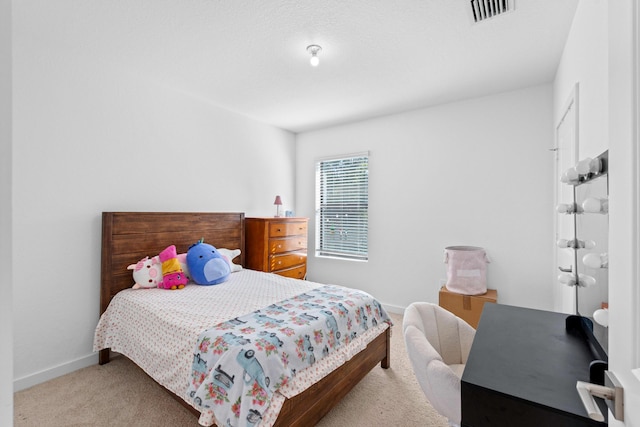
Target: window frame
{"x": 355, "y": 221}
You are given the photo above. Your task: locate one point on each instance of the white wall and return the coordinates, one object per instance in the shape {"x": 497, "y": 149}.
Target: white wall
{"x": 624, "y": 207}
{"x": 6, "y": 328}
{"x": 585, "y": 61}
{"x": 477, "y": 172}
{"x": 93, "y": 136}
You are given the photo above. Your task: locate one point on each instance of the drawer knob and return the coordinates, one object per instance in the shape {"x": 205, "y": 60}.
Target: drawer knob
{"x": 279, "y": 229}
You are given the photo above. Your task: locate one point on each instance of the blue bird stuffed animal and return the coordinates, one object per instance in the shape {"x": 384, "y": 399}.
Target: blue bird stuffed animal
{"x": 206, "y": 265}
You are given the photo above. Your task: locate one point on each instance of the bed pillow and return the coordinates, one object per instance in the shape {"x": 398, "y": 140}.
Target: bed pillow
{"x": 229, "y": 255}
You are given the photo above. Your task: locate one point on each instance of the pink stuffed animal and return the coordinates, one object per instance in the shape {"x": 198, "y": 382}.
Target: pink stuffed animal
{"x": 172, "y": 275}
{"x": 147, "y": 273}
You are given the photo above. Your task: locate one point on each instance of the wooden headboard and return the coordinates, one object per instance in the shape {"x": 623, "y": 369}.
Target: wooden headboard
{"x": 130, "y": 236}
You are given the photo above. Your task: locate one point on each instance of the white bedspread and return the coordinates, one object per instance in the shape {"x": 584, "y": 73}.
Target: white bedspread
{"x": 158, "y": 329}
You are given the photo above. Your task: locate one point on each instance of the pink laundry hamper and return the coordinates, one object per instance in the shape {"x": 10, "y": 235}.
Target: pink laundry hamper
{"x": 466, "y": 269}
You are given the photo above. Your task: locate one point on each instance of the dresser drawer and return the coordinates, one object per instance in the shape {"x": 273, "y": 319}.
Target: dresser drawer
{"x": 296, "y": 272}
{"x": 278, "y": 246}
{"x": 282, "y": 229}
{"x": 280, "y": 262}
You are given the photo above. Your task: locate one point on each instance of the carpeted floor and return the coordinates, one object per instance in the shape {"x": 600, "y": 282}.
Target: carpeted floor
{"x": 120, "y": 394}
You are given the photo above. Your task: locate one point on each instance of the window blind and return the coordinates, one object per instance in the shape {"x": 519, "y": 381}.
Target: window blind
{"x": 342, "y": 207}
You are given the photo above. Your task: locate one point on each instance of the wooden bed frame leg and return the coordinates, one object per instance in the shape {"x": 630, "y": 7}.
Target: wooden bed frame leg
{"x": 103, "y": 356}
{"x": 386, "y": 362}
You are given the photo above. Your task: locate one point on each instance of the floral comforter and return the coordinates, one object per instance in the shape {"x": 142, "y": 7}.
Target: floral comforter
{"x": 240, "y": 363}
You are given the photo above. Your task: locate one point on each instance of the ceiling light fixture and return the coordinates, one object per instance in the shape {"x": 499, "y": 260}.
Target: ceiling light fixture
{"x": 314, "y": 49}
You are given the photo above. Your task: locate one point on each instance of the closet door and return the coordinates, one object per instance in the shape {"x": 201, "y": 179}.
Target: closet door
{"x": 566, "y": 156}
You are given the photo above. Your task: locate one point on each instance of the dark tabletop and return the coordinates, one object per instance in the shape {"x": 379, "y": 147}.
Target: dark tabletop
{"x": 528, "y": 356}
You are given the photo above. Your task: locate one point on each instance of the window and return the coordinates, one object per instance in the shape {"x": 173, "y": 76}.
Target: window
{"x": 342, "y": 207}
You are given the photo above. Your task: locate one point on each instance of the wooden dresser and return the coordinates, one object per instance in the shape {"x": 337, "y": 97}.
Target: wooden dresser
{"x": 277, "y": 245}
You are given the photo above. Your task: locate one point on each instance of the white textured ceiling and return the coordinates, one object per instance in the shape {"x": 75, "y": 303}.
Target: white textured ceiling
{"x": 378, "y": 56}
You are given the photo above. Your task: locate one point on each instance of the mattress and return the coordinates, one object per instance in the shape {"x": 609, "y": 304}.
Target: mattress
{"x": 158, "y": 329}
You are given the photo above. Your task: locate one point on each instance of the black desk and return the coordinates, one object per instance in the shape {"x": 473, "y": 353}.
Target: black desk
{"x": 522, "y": 371}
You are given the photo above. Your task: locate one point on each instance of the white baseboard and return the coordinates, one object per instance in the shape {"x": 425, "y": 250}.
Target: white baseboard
{"x": 54, "y": 372}
{"x": 396, "y": 309}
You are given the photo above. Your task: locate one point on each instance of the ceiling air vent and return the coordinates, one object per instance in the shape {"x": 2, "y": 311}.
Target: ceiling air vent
{"x": 483, "y": 10}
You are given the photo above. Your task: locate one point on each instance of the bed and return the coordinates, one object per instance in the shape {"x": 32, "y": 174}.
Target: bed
{"x": 130, "y": 236}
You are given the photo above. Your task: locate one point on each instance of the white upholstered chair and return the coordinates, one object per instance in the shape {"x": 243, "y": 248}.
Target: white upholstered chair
{"x": 438, "y": 344}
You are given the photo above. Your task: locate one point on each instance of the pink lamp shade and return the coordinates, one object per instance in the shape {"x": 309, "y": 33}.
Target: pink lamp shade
{"x": 278, "y": 203}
